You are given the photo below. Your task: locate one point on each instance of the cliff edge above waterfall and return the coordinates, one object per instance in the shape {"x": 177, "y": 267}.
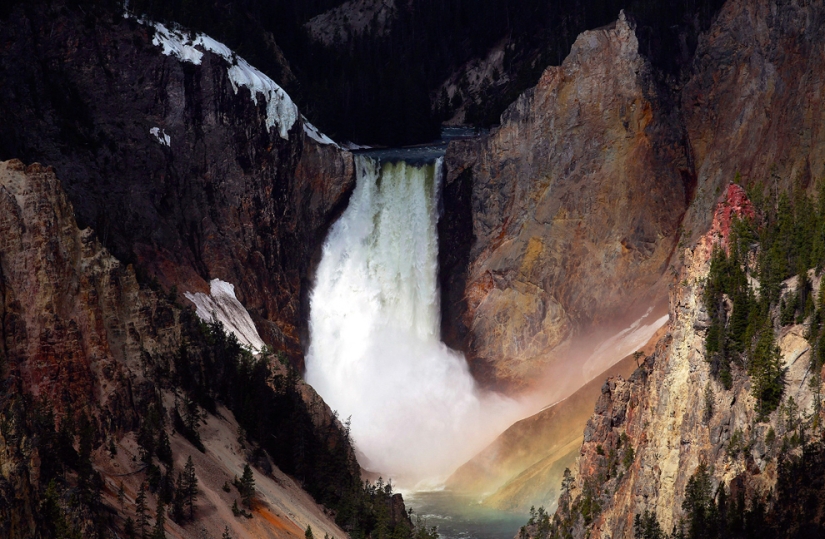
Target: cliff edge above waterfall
{"x": 174, "y": 153}
{"x": 573, "y": 206}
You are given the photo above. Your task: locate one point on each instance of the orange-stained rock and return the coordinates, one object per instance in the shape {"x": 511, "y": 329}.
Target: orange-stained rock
{"x": 574, "y": 211}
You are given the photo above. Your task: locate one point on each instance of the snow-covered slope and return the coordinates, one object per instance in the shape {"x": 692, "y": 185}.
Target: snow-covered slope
{"x": 222, "y": 305}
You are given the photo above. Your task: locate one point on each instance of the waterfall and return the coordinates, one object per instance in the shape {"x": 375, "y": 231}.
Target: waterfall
{"x": 375, "y": 351}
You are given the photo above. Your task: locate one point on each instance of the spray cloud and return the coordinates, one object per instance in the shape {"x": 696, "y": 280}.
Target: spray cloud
{"x": 375, "y": 351}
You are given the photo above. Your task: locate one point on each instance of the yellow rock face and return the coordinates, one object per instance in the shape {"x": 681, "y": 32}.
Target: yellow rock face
{"x": 576, "y": 203}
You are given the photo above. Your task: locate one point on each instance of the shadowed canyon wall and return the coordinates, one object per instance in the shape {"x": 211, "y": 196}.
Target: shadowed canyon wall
{"x": 751, "y": 105}
{"x": 224, "y": 196}
{"x": 753, "y": 102}
{"x": 82, "y": 340}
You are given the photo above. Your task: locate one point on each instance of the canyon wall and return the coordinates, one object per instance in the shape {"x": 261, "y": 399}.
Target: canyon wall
{"x": 180, "y": 169}
{"x": 573, "y": 205}
{"x": 753, "y": 101}
{"x": 750, "y": 104}
{"x": 84, "y": 343}
{"x": 650, "y": 433}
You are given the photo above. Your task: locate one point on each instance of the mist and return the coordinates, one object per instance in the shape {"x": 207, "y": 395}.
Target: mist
{"x": 375, "y": 353}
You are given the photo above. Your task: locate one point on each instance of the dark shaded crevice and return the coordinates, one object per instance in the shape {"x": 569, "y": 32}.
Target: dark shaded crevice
{"x": 455, "y": 240}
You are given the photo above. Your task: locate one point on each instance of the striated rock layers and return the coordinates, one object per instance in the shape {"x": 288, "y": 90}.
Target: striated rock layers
{"x": 172, "y": 163}
{"x": 649, "y": 433}
{"x": 573, "y": 205}
{"x": 81, "y": 338}
{"x": 754, "y": 101}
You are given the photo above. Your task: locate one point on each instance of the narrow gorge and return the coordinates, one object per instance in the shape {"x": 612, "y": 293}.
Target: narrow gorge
{"x": 245, "y": 290}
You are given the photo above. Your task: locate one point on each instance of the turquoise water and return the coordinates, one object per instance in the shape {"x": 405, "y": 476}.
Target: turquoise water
{"x": 462, "y": 517}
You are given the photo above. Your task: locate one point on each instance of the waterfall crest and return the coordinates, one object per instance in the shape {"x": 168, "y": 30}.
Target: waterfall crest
{"x": 375, "y": 351}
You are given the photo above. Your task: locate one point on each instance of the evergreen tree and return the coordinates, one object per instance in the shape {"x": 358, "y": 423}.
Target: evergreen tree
{"x": 767, "y": 370}
{"x": 164, "y": 450}
{"x": 141, "y": 511}
{"x": 646, "y": 526}
{"x": 179, "y": 500}
{"x": 190, "y": 485}
{"x": 246, "y": 486}
{"x": 699, "y": 505}
{"x": 129, "y": 528}
{"x": 160, "y": 521}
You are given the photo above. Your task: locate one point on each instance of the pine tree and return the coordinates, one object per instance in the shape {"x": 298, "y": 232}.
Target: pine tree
{"x": 160, "y": 521}
{"x": 164, "y": 450}
{"x": 140, "y": 509}
{"x": 246, "y": 486}
{"x": 226, "y": 533}
{"x": 129, "y": 528}
{"x": 179, "y": 500}
{"x": 308, "y": 533}
{"x": 698, "y": 505}
{"x": 190, "y": 483}
{"x": 768, "y": 372}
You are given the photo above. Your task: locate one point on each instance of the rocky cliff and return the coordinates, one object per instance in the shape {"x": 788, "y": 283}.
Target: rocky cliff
{"x": 110, "y": 387}
{"x": 753, "y": 101}
{"x": 576, "y": 202}
{"x": 674, "y": 432}
{"x": 185, "y": 160}
{"x": 83, "y": 343}
{"x": 574, "y": 205}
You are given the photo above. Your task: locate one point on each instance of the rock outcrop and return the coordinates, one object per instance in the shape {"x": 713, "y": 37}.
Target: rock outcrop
{"x": 179, "y": 168}
{"x": 81, "y": 339}
{"x": 650, "y": 433}
{"x": 574, "y": 204}
{"x": 753, "y": 102}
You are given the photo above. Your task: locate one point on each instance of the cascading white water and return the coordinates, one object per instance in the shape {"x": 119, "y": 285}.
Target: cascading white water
{"x": 375, "y": 351}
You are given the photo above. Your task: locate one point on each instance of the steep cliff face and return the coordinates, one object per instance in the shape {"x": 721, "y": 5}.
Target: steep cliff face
{"x": 185, "y": 160}
{"x": 753, "y": 102}
{"x": 350, "y": 20}
{"x": 650, "y": 434}
{"x": 575, "y": 203}
{"x": 77, "y": 328}
{"x": 83, "y": 343}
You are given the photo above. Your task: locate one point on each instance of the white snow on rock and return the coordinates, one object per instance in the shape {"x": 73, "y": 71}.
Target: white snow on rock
{"x": 161, "y": 135}
{"x": 175, "y": 43}
{"x": 280, "y": 109}
{"x": 222, "y": 305}
{"x": 313, "y": 133}
{"x": 213, "y": 46}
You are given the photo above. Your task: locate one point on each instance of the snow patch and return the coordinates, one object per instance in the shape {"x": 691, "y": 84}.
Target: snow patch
{"x": 214, "y": 46}
{"x": 175, "y": 43}
{"x": 280, "y": 109}
{"x": 222, "y": 305}
{"x": 161, "y": 135}
{"x": 313, "y": 133}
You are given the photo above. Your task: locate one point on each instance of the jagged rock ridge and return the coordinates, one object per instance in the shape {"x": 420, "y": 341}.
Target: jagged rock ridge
{"x": 574, "y": 205}
{"x": 224, "y": 196}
